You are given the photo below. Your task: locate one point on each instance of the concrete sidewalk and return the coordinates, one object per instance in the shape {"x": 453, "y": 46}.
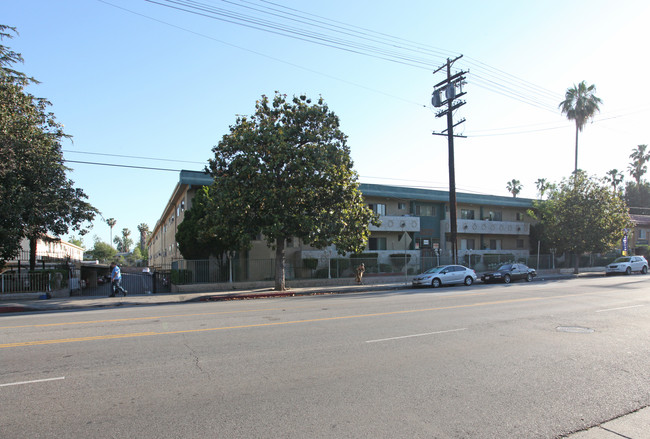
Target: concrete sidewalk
{"x": 632, "y": 426}
{"x": 29, "y": 303}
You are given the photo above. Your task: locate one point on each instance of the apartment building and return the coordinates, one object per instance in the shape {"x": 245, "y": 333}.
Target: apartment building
{"x": 413, "y": 221}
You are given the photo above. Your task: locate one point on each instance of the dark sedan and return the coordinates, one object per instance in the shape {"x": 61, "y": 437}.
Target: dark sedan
{"x": 509, "y": 272}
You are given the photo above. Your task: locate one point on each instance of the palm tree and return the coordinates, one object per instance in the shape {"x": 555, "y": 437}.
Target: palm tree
{"x": 143, "y": 229}
{"x": 514, "y": 187}
{"x": 580, "y": 104}
{"x": 614, "y": 178}
{"x": 638, "y": 165}
{"x": 111, "y": 223}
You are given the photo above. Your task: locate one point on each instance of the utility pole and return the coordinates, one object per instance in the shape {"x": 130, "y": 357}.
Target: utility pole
{"x": 449, "y": 87}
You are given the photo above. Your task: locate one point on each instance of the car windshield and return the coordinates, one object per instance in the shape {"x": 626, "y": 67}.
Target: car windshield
{"x": 624, "y": 259}
{"x": 437, "y": 269}
{"x": 506, "y": 267}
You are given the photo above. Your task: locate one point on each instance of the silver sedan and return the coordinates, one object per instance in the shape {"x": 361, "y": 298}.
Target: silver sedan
{"x": 445, "y": 275}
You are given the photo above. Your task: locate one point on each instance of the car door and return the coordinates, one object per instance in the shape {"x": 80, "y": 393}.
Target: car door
{"x": 518, "y": 272}
{"x": 636, "y": 263}
{"x": 459, "y": 274}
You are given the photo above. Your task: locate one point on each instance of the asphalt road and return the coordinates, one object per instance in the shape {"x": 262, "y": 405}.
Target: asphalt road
{"x": 526, "y": 360}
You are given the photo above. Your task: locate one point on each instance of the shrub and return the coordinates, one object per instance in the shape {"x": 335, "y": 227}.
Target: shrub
{"x": 181, "y": 277}
{"x": 310, "y": 263}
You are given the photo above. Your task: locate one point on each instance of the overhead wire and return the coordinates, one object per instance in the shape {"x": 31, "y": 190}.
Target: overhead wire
{"x": 367, "y": 42}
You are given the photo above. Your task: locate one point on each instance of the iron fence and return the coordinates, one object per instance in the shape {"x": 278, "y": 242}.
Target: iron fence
{"x": 24, "y": 282}
{"x": 185, "y": 272}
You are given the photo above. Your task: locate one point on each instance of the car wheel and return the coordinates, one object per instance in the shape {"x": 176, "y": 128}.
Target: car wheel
{"x": 628, "y": 271}
{"x": 529, "y": 277}
{"x": 469, "y": 281}
{"x": 644, "y": 270}
{"x": 506, "y": 279}
{"x": 435, "y": 283}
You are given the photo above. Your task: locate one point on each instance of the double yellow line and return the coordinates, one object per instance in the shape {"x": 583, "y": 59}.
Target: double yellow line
{"x": 259, "y": 325}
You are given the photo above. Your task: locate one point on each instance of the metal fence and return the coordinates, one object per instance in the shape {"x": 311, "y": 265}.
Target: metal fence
{"x": 185, "y": 272}
{"x": 25, "y": 282}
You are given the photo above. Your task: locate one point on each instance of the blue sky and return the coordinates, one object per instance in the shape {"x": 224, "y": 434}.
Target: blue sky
{"x": 134, "y": 81}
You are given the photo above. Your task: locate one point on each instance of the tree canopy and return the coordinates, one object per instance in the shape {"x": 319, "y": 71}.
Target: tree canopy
{"x": 36, "y": 197}
{"x": 580, "y": 104}
{"x": 286, "y": 172}
{"x": 582, "y": 215}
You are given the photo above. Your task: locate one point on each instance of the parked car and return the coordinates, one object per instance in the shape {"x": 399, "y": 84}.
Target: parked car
{"x": 509, "y": 272}
{"x": 445, "y": 275}
{"x": 627, "y": 264}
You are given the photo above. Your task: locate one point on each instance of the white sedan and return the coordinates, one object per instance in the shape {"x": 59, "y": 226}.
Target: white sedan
{"x": 627, "y": 264}
{"x": 445, "y": 275}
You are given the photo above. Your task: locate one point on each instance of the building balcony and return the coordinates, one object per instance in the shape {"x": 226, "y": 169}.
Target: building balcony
{"x": 476, "y": 227}
{"x": 397, "y": 224}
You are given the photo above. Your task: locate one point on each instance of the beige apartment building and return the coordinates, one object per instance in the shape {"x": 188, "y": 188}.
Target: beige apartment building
{"x": 413, "y": 221}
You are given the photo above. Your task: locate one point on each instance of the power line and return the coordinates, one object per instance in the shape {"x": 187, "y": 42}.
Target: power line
{"x": 123, "y": 166}
{"x": 132, "y": 157}
{"x": 366, "y": 42}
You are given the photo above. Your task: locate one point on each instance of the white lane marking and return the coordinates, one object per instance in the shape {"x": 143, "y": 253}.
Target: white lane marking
{"x": 616, "y": 309}
{"x": 415, "y": 335}
{"x": 31, "y": 382}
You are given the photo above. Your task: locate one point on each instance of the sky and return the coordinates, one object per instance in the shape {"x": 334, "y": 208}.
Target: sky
{"x": 146, "y": 89}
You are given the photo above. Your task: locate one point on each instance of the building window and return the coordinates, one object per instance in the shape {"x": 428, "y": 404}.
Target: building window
{"x": 494, "y": 215}
{"x": 643, "y": 234}
{"x": 425, "y": 210}
{"x": 467, "y": 244}
{"x": 379, "y": 209}
{"x": 520, "y": 216}
{"x": 377, "y": 244}
{"x": 401, "y": 206}
{"x": 495, "y": 244}
{"x": 520, "y": 243}
{"x": 467, "y": 214}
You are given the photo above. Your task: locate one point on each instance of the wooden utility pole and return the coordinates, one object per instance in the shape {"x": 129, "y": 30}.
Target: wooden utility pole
{"x": 449, "y": 87}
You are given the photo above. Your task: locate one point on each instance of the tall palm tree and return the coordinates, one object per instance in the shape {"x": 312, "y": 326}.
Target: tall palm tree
{"x": 514, "y": 187}
{"x": 638, "y": 166}
{"x": 111, "y": 223}
{"x": 614, "y": 178}
{"x": 580, "y": 104}
{"x": 143, "y": 229}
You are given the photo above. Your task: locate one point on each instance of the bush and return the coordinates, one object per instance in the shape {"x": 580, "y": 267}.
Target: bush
{"x": 310, "y": 263}
{"x": 181, "y": 277}
{"x": 493, "y": 261}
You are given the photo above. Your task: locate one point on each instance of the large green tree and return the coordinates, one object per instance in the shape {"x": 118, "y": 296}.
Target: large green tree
{"x": 286, "y": 172}
{"x": 580, "y": 104}
{"x": 102, "y": 251}
{"x": 36, "y": 197}
{"x": 637, "y": 197}
{"x": 582, "y": 215}
{"x": 197, "y": 234}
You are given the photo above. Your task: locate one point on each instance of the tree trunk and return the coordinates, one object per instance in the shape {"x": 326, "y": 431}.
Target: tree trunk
{"x": 576, "y": 162}
{"x": 32, "y": 253}
{"x": 279, "y": 265}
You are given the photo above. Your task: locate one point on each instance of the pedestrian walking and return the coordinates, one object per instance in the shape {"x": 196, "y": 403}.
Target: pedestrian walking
{"x": 359, "y": 276}
{"x": 116, "y": 281}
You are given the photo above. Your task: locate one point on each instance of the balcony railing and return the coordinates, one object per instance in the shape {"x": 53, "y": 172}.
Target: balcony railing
{"x": 476, "y": 227}
{"x": 397, "y": 224}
